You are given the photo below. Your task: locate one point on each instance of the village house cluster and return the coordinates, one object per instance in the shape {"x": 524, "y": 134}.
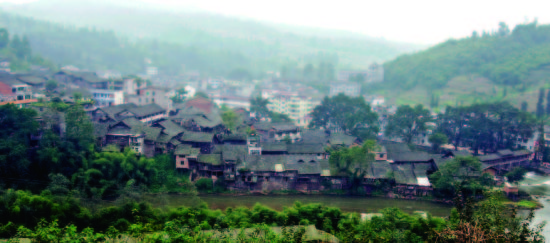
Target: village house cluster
{"x": 258, "y": 156}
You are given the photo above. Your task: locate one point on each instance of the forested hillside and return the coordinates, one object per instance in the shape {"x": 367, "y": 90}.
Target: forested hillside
{"x": 204, "y": 42}
{"x": 504, "y": 63}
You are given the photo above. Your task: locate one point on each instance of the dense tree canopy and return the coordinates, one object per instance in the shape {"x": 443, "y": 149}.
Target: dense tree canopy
{"x": 486, "y": 127}
{"x": 348, "y": 114}
{"x": 504, "y": 57}
{"x": 408, "y": 122}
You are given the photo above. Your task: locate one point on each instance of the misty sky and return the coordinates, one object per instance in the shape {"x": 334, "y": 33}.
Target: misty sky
{"x": 419, "y": 21}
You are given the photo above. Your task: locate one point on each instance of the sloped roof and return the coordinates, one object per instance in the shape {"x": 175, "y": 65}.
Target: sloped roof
{"x": 288, "y": 162}
{"x": 488, "y": 157}
{"x": 170, "y": 127}
{"x": 393, "y": 147}
{"x": 33, "y": 80}
{"x": 404, "y": 174}
{"x": 505, "y": 152}
{"x": 231, "y": 152}
{"x": 379, "y": 169}
{"x": 309, "y": 136}
{"x": 146, "y": 110}
{"x": 274, "y": 147}
{"x": 265, "y": 126}
{"x": 213, "y": 159}
{"x": 205, "y": 105}
{"x": 341, "y": 139}
{"x": 112, "y": 111}
{"x": 185, "y": 149}
{"x": 410, "y": 157}
{"x": 201, "y": 137}
{"x": 235, "y": 137}
{"x": 163, "y": 138}
{"x": 100, "y": 129}
{"x": 301, "y": 148}
{"x": 136, "y": 127}
{"x": 522, "y": 152}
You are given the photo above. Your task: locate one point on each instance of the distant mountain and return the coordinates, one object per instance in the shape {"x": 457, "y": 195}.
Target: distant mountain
{"x": 230, "y": 43}
{"x": 506, "y": 64}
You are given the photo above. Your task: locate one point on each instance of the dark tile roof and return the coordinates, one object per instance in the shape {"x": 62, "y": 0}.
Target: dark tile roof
{"x": 274, "y": 147}
{"x": 488, "y": 157}
{"x": 231, "y": 152}
{"x": 404, "y": 174}
{"x": 112, "y": 111}
{"x": 100, "y": 129}
{"x": 32, "y": 80}
{"x": 174, "y": 141}
{"x": 235, "y": 137}
{"x": 136, "y": 127}
{"x": 410, "y": 157}
{"x": 163, "y": 138}
{"x": 522, "y": 152}
{"x": 146, "y": 110}
{"x": 286, "y": 162}
{"x": 379, "y": 169}
{"x": 185, "y": 149}
{"x": 266, "y": 126}
{"x": 341, "y": 139}
{"x": 213, "y": 159}
{"x": 505, "y": 152}
{"x": 170, "y": 127}
{"x": 201, "y": 137}
{"x": 393, "y": 147}
{"x": 309, "y": 136}
{"x": 310, "y": 148}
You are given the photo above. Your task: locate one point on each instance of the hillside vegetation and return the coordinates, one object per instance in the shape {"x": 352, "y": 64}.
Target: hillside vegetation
{"x": 208, "y": 43}
{"x": 509, "y": 65}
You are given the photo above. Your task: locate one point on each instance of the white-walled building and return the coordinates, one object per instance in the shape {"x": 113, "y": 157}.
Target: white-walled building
{"x": 107, "y": 97}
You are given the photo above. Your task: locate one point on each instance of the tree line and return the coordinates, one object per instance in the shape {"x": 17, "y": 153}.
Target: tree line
{"x": 48, "y": 218}
{"x": 505, "y": 56}
{"x": 70, "y": 163}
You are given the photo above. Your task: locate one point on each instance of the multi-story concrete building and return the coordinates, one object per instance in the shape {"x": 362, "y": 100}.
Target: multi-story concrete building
{"x": 374, "y": 74}
{"x": 107, "y": 97}
{"x": 348, "y": 88}
{"x": 153, "y": 95}
{"x": 231, "y": 101}
{"x": 12, "y": 89}
{"x": 296, "y": 106}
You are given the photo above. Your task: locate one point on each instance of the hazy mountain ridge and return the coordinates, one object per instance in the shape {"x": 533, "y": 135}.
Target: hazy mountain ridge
{"x": 271, "y": 44}
{"x": 512, "y": 64}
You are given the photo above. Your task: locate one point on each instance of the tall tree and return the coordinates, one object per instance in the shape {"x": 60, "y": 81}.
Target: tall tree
{"x": 540, "y": 104}
{"x": 309, "y": 71}
{"x": 408, "y": 122}
{"x": 79, "y": 128}
{"x": 344, "y": 113}
{"x": 524, "y": 106}
{"x": 4, "y": 38}
{"x": 437, "y": 139}
{"x": 230, "y": 120}
{"x": 353, "y": 162}
{"x": 258, "y": 105}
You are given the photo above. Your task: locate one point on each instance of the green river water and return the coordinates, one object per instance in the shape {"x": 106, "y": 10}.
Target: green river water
{"x": 277, "y": 202}
{"x": 347, "y": 203}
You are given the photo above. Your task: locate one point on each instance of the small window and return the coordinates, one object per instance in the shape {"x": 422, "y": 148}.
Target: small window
{"x": 381, "y": 155}
{"x": 312, "y": 161}
{"x": 300, "y": 161}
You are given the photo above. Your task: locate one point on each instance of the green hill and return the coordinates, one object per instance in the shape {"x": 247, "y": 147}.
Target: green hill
{"x": 480, "y": 67}
{"x": 206, "y": 42}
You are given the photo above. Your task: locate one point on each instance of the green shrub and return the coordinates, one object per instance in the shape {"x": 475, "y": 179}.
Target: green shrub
{"x": 204, "y": 185}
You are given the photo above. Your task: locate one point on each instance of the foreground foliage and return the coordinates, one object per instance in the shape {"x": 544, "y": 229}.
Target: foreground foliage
{"x": 49, "y": 218}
